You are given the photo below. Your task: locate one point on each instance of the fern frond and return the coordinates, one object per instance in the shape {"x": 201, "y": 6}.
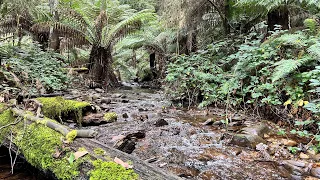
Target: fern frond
{"x": 314, "y": 50}
{"x": 288, "y": 66}
{"x": 126, "y": 27}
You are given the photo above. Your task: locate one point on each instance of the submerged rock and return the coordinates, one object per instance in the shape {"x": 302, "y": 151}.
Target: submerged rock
{"x": 161, "y": 122}
{"x": 258, "y": 130}
{"x": 247, "y": 140}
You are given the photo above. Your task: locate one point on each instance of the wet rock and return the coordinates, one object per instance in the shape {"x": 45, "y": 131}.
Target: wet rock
{"x": 127, "y": 145}
{"x": 217, "y": 123}
{"x": 185, "y": 172}
{"x": 125, "y": 101}
{"x": 125, "y": 115}
{"x": 138, "y": 135}
{"x": 315, "y": 172}
{"x": 246, "y": 140}
{"x": 94, "y": 119}
{"x": 142, "y": 117}
{"x": 99, "y": 90}
{"x": 303, "y": 156}
{"x": 161, "y": 122}
{"x": 142, "y": 109}
{"x": 211, "y": 154}
{"x": 116, "y": 95}
{"x": 209, "y": 175}
{"x": 208, "y": 122}
{"x": 104, "y": 106}
{"x": 296, "y": 168}
{"x": 126, "y": 87}
{"x": 258, "y": 130}
{"x": 105, "y": 101}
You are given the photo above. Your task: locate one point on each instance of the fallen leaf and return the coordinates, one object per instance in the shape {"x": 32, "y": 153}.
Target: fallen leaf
{"x": 123, "y": 164}
{"x": 289, "y": 142}
{"x": 80, "y": 154}
{"x": 71, "y": 158}
{"x": 116, "y": 138}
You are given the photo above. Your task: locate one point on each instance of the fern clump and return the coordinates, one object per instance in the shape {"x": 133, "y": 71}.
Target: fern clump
{"x": 311, "y": 24}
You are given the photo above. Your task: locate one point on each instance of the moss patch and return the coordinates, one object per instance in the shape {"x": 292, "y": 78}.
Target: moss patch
{"x": 99, "y": 151}
{"x": 56, "y": 107}
{"x": 110, "y": 117}
{"x": 111, "y": 171}
{"x": 71, "y": 135}
{"x": 5, "y": 118}
{"x": 38, "y": 144}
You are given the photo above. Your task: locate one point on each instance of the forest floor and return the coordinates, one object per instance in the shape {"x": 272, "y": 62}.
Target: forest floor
{"x": 192, "y": 144}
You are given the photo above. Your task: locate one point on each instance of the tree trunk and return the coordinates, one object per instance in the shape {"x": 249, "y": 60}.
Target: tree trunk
{"x": 152, "y": 60}
{"x": 278, "y": 17}
{"x": 100, "y": 66}
{"x": 54, "y": 35}
{"x": 134, "y": 59}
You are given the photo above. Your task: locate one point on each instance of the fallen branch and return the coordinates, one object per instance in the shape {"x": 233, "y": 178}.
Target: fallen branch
{"x": 82, "y": 133}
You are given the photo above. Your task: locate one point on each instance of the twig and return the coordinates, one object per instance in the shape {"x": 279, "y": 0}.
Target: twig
{"x": 11, "y": 124}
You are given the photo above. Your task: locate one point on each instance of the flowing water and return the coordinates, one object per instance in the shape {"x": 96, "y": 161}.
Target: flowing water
{"x": 184, "y": 146}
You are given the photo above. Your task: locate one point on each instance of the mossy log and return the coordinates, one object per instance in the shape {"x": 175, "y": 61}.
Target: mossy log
{"x": 44, "y": 148}
{"x": 84, "y": 133}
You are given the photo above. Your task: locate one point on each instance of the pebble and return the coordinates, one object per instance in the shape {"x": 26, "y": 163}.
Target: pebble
{"x": 315, "y": 172}
{"x": 303, "y": 156}
{"x": 289, "y": 142}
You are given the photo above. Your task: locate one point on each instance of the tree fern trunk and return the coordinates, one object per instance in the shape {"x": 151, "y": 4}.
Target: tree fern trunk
{"x": 100, "y": 66}
{"x": 278, "y": 17}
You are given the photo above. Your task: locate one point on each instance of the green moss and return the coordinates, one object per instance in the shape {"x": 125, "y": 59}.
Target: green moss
{"x": 5, "y": 118}
{"x": 110, "y": 117}
{"x": 311, "y": 24}
{"x": 56, "y": 107}
{"x": 38, "y": 144}
{"x": 99, "y": 151}
{"x": 82, "y": 149}
{"x": 71, "y": 135}
{"x": 111, "y": 171}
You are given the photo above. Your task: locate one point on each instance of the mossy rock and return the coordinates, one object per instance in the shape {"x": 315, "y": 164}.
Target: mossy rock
{"x": 58, "y": 107}
{"x": 110, "y": 117}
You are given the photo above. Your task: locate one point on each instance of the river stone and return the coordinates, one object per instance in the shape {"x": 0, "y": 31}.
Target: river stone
{"x": 105, "y": 101}
{"x": 247, "y": 140}
{"x": 259, "y": 130}
{"x": 161, "y": 122}
{"x": 315, "y": 172}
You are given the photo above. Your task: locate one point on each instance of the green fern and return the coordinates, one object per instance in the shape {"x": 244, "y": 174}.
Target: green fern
{"x": 288, "y": 66}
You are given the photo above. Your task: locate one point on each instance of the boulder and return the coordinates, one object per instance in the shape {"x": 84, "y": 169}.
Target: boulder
{"x": 258, "y": 130}
{"x": 247, "y": 140}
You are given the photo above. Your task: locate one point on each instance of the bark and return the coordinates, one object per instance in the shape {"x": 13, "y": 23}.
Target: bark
{"x": 54, "y": 36}
{"x": 152, "y": 60}
{"x": 100, "y": 66}
{"x": 278, "y": 17}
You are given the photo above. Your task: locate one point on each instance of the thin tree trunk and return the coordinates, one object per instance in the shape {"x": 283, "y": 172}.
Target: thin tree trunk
{"x": 100, "y": 66}
{"x": 54, "y": 36}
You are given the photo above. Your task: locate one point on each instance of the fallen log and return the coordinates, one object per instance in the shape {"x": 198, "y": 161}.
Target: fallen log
{"x": 145, "y": 170}
{"x": 44, "y": 148}
{"x": 84, "y": 133}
